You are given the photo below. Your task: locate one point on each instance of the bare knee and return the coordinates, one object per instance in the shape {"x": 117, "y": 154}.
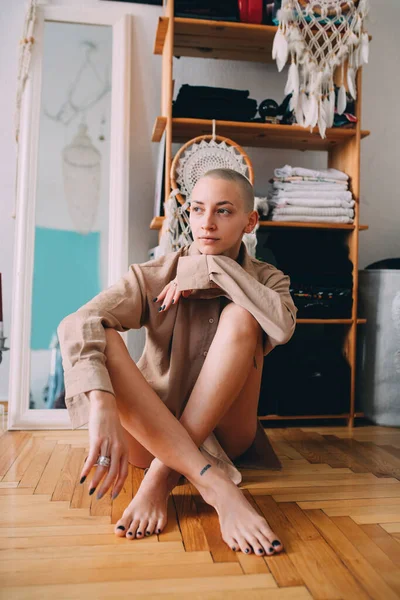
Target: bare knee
{"x": 239, "y": 321}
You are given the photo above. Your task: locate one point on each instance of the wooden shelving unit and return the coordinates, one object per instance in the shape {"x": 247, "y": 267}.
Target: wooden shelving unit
{"x": 184, "y": 37}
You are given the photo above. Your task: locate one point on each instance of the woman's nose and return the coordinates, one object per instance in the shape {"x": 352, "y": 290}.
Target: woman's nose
{"x": 208, "y": 222}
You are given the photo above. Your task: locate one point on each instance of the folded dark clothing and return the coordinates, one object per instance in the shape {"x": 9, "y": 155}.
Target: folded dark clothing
{"x": 305, "y": 376}
{"x": 196, "y": 92}
{"x": 216, "y": 110}
{"x": 329, "y": 303}
{"x": 315, "y": 280}
{"x": 208, "y": 9}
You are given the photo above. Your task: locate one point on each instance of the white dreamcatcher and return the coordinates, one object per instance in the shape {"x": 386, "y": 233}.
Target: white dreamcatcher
{"x": 320, "y": 35}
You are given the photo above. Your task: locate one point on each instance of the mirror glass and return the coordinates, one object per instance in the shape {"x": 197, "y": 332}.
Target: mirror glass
{"x": 70, "y": 259}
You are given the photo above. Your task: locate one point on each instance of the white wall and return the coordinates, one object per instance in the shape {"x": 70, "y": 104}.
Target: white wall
{"x": 380, "y": 155}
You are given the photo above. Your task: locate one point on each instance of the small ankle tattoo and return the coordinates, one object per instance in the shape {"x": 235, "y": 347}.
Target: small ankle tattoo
{"x": 205, "y": 469}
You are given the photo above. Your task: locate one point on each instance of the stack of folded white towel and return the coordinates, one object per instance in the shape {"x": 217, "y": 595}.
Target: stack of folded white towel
{"x": 299, "y": 194}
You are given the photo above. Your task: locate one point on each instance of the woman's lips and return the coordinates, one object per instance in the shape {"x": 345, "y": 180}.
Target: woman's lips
{"x": 209, "y": 239}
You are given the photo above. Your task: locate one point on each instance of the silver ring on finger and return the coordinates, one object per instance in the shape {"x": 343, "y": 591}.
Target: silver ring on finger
{"x": 103, "y": 461}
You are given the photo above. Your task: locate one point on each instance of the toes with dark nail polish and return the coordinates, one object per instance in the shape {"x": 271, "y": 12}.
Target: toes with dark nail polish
{"x": 260, "y": 551}
{"x": 247, "y": 550}
{"x": 121, "y": 527}
{"x": 276, "y": 543}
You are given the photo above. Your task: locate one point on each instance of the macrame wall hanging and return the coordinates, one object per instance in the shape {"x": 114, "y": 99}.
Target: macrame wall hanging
{"x": 193, "y": 160}
{"x": 320, "y": 35}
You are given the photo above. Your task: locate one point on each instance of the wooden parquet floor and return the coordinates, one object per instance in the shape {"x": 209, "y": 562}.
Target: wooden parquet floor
{"x": 335, "y": 505}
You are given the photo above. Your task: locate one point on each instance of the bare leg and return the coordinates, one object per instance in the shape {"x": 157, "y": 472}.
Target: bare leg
{"x": 212, "y": 403}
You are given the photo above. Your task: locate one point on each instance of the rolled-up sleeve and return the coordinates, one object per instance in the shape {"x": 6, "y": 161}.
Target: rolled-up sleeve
{"x": 82, "y": 338}
{"x": 267, "y": 299}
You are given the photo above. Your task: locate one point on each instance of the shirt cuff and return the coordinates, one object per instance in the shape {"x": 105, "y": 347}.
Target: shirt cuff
{"x": 83, "y": 377}
{"x": 192, "y": 273}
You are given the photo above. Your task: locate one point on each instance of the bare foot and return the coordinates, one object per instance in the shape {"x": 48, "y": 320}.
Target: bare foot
{"x": 147, "y": 512}
{"x": 242, "y": 528}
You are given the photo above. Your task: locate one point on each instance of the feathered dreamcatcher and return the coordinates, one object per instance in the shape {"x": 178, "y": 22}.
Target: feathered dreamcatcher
{"x": 320, "y": 35}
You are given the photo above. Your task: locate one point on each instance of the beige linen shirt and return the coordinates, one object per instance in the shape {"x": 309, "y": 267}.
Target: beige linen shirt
{"x": 177, "y": 341}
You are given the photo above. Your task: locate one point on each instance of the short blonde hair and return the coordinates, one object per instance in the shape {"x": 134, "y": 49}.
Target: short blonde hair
{"x": 241, "y": 180}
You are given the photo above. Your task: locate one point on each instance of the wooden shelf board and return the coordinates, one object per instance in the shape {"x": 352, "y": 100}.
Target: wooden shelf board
{"x": 324, "y": 321}
{"x": 203, "y": 38}
{"x": 256, "y": 135}
{"x": 157, "y": 222}
{"x": 300, "y": 417}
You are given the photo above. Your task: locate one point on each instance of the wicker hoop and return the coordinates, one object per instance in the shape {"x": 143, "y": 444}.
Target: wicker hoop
{"x": 197, "y": 140}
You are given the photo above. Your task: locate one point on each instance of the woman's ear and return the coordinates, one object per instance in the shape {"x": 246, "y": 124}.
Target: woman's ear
{"x": 253, "y": 220}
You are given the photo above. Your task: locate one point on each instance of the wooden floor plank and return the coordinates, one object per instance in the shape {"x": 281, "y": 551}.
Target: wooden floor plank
{"x": 372, "y": 460}
{"x": 384, "y": 540}
{"x": 362, "y": 570}
{"x": 36, "y": 467}
{"x": 123, "y": 589}
{"x": 329, "y": 492}
{"x": 115, "y": 573}
{"x": 344, "y": 582}
{"x": 301, "y": 556}
{"x": 23, "y": 460}
{"x": 370, "y": 551}
{"x": 193, "y": 536}
{"x": 68, "y": 477}
{"x": 51, "y": 472}
{"x": 10, "y": 448}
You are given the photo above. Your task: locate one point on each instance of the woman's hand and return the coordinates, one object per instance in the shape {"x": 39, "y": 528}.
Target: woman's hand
{"x": 106, "y": 438}
{"x": 170, "y": 295}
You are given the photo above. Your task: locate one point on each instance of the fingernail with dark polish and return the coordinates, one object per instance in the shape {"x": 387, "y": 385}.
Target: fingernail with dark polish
{"x": 82, "y": 479}
{"x": 234, "y": 548}
{"x": 121, "y": 527}
{"x": 154, "y": 299}
{"x": 160, "y": 309}
{"x": 260, "y": 550}
{"x": 276, "y": 543}
{"x": 271, "y": 550}
{"x": 99, "y": 496}
{"x": 114, "y": 495}
{"x": 92, "y": 491}
{"x": 163, "y": 307}
{"x": 172, "y": 301}
{"x": 247, "y": 550}
{"x": 158, "y": 530}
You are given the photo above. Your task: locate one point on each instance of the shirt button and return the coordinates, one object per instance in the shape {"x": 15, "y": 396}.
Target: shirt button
{"x": 211, "y": 320}
{"x": 205, "y": 353}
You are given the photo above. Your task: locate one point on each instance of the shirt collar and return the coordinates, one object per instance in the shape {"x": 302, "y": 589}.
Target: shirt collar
{"x": 244, "y": 258}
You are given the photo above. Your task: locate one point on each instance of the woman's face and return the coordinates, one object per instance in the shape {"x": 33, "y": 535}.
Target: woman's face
{"x": 217, "y": 216}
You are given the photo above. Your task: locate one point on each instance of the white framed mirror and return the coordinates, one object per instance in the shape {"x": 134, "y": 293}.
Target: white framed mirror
{"x": 72, "y": 198}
